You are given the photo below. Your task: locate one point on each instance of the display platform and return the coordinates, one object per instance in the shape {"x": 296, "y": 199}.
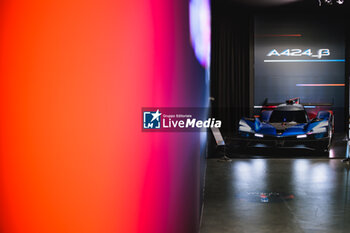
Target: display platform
{"x": 233, "y": 150}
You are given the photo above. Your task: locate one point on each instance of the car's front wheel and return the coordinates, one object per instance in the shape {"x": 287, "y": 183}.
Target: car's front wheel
{"x": 330, "y": 138}
{"x": 324, "y": 147}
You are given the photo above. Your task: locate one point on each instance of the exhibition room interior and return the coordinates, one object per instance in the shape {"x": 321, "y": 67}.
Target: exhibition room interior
{"x": 174, "y": 116}
{"x": 267, "y": 169}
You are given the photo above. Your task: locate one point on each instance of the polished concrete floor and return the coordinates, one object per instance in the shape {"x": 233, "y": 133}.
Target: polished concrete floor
{"x": 275, "y": 195}
{"x": 338, "y": 150}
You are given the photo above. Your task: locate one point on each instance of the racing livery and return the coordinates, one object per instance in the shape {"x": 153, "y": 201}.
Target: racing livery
{"x": 288, "y": 125}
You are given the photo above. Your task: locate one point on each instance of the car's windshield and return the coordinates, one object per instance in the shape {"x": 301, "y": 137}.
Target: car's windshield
{"x": 288, "y": 116}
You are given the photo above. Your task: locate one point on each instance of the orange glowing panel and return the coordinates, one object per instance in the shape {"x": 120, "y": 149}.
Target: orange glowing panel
{"x": 279, "y": 35}
{"x": 321, "y": 85}
{"x": 74, "y": 76}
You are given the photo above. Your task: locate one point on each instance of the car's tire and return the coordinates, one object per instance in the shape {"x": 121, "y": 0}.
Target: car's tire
{"x": 321, "y": 152}
{"x": 323, "y": 148}
{"x": 324, "y": 153}
{"x": 330, "y": 138}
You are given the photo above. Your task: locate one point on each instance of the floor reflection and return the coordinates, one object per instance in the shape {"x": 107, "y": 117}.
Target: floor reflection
{"x": 318, "y": 187}
{"x": 338, "y": 150}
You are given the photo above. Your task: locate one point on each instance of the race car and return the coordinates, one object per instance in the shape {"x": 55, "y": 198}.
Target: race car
{"x": 288, "y": 125}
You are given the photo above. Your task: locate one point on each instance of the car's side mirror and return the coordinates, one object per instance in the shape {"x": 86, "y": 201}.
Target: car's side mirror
{"x": 323, "y": 115}
{"x": 265, "y": 115}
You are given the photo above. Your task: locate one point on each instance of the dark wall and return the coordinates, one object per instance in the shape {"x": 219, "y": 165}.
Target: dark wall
{"x": 230, "y": 69}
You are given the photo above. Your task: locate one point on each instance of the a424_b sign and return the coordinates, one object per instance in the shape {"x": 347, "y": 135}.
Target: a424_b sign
{"x": 298, "y": 53}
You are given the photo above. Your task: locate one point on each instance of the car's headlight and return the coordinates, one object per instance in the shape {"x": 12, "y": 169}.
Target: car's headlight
{"x": 244, "y": 127}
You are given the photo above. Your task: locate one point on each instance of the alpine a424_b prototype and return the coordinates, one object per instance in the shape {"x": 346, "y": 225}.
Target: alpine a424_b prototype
{"x": 288, "y": 125}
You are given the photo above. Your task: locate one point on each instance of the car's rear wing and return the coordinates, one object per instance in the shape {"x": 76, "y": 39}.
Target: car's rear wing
{"x": 312, "y": 108}
{"x": 271, "y": 105}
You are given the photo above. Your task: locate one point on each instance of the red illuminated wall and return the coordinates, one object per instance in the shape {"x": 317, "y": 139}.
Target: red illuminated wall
{"x": 73, "y": 78}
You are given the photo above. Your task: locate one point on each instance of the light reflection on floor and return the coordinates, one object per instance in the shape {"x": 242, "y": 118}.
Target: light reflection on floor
{"x": 338, "y": 150}
{"x": 321, "y": 200}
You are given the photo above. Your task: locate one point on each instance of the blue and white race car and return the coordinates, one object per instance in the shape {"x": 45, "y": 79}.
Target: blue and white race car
{"x": 288, "y": 125}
